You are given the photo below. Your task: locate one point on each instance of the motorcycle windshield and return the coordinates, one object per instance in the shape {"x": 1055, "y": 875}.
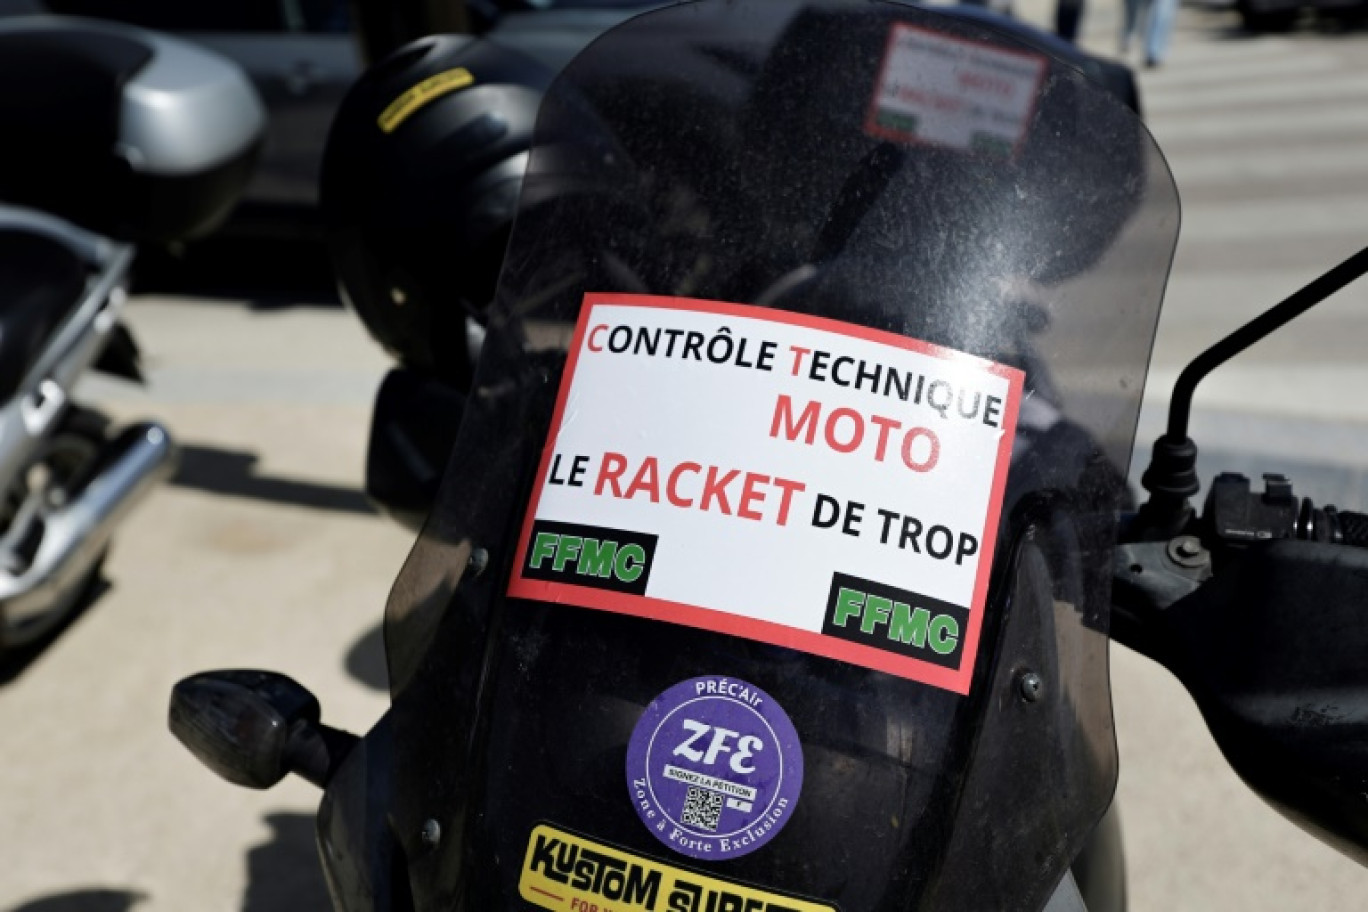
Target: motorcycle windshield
{"x": 771, "y": 567}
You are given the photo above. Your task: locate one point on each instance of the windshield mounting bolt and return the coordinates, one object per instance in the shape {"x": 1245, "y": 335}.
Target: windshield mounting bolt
{"x": 479, "y": 560}
{"x": 1030, "y": 687}
{"x": 1187, "y": 551}
{"x": 431, "y": 833}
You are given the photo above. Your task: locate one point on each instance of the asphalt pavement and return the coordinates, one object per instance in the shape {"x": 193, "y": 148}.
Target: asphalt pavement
{"x": 264, "y": 553}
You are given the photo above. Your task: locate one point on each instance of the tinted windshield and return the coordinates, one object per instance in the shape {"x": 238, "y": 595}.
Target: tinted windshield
{"x": 832, "y": 321}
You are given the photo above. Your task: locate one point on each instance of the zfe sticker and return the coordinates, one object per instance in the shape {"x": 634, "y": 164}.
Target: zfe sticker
{"x": 777, "y": 476}
{"x": 566, "y": 872}
{"x": 714, "y": 768}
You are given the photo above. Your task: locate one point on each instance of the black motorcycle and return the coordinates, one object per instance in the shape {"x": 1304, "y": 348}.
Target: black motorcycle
{"x": 775, "y": 560}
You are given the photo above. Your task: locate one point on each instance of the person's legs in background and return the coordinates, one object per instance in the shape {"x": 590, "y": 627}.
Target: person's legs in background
{"x": 1160, "y": 26}
{"x": 1068, "y": 13}
{"x": 1132, "y": 15}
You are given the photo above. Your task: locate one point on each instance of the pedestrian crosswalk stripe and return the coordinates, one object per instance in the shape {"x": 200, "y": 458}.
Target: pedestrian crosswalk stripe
{"x": 1298, "y": 91}
{"x": 1176, "y": 79}
{"x": 1256, "y": 165}
{"x": 1260, "y": 220}
{"x": 1239, "y": 128}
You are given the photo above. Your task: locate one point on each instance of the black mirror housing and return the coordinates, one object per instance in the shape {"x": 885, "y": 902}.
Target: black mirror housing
{"x": 241, "y": 724}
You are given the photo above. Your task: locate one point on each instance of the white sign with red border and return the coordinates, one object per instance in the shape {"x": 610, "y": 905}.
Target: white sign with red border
{"x": 777, "y": 476}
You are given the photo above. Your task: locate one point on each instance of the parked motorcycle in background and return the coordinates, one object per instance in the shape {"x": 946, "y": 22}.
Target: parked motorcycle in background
{"x": 775, "y": 558}
{"x": 114, "y": 136}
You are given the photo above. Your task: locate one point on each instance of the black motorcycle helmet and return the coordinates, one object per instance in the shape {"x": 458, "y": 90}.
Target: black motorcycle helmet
{"x": 421, "y": 178}
{"x": 420, "y": 182}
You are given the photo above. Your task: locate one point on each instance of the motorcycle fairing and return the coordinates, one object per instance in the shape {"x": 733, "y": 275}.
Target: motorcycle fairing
{"x": 718, "y": 151}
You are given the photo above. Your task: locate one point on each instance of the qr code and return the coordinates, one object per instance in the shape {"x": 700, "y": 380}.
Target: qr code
{"x": 702, "y": 809}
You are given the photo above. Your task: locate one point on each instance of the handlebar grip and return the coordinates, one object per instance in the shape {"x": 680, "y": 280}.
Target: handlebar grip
{"x": 1353, "y": 528}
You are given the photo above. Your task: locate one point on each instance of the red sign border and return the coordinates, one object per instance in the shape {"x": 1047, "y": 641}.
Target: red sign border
{"x": 656, "y": 609}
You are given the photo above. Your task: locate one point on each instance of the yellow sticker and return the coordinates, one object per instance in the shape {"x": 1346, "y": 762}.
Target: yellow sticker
{"x": 568, "y": 873}
{"x": 428, "y": 90}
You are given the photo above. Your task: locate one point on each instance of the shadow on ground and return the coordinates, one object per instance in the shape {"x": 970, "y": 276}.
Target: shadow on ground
{"x": 84, "y": 901}
{"x": 284, "y": 874}
{"x": 232, "y": 473}
{"x": 366, "y": 660}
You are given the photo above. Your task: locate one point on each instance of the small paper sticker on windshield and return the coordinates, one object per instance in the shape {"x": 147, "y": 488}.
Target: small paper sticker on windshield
{"x": 950, "y": 92}
{"x": 783, "y": 477}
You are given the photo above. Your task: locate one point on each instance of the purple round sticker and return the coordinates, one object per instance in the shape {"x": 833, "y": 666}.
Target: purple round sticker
{"x": 714, "y": 767}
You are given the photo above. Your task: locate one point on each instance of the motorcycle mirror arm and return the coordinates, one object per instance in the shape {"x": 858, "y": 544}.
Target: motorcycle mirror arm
{"x": 1171, "y": 477}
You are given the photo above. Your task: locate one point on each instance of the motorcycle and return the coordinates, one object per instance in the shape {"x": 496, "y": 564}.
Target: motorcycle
{"x": 779, "y": 548}
{"x": 115, "y": 136}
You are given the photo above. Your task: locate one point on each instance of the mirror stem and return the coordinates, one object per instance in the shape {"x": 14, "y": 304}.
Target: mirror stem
{"x": 1172, "y": 474}
{"x": 314, "y": 752}
{"x": 1276, "y": 317}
